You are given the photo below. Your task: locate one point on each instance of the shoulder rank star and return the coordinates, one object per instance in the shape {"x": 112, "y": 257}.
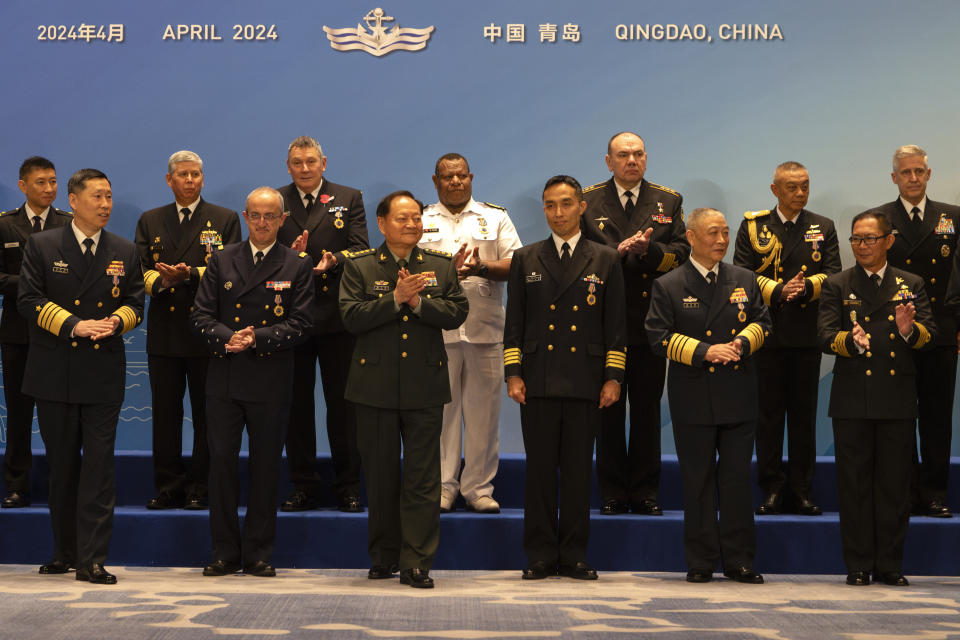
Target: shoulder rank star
{"x": 115, "y": 269}
{"x": 278, "y": 286}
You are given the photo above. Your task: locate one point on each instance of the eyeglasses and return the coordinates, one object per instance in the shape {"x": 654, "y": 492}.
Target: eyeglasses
{"x": 269, "y": 217}
{"x": 867, "y": 240}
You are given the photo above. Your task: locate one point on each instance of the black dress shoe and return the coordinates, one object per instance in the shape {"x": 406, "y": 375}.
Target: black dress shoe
{"x": 166, "y": 501}
{"x": 699, "y": 575}
{"x": 196, "y": 502}
{"x": 612, "y": 507}
{"x": 745, "y": 575}
{"x": 55, "y": 567}
{"x": 416, "y": 578}
{"x": 858, "y": 578}
{"x": 647, "y": 508}
{"x": 261, "y": 569}
{"x": 579, "y": 571}
{"x": 892, "y": 578}
{"x": 770, "y": 505}
{"x": 350, "y": 504}
{"x": 806, "y": 508}
{"x": 299, "y": 501}
{"x": 15, "y": 500}
{"x": 96, "y": 574}
{"x": 380, "y": 572}
{"x": 539, "y": 570}
{"x": 935, "y": 509}
{"x": 220, "y": 568}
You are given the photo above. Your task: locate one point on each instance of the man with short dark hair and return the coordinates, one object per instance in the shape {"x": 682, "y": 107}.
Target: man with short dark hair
{"x": 38, "y": 182}
{"x": 81, "y": 288}
{"x": 643, "y": 221}
{"x": 564, "y": 357}
{"x": 397, "y": 300}
{"x": 924, "y": 240}
{"x": 252, "y": 309}
{"x": 874, "y": 317}
{"x": 175, "y": 243}
{"x": 326, "y": 219}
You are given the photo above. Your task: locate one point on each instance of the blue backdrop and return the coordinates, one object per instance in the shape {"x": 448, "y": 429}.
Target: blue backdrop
{"x": 845, "y": 85}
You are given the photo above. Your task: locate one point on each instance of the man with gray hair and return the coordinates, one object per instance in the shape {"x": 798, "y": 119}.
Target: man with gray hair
{"x": 175, "y": 243}
{"x": 252, "y": 309}
{"x": 925, "y": 240}
{"x": 325, "y": 220}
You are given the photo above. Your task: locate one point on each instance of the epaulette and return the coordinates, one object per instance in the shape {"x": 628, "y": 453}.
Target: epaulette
{"x": 6, "y": 213}
{"x": 753, "y": 215}
{"x": 594, "y": 187}
{"x": 494, "y": 206}
{"x": 357, "y": 254}
{"x": 436, "y": 252}
{"x": 663, "y": 188}
{"x": 62, "y": 212}
{"x": 303, "y": 254}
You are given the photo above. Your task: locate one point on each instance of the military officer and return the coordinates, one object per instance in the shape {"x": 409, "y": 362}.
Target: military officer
{"x": 708, "y": 318}
{"x": 38, "y": 182}
{"x": 252, "y": 308}
{"x": 175, "y": 243}
{"x": 397, "y": 300}
{"x": 644, "y": 222}
{"x": 483, "y": 239}
{"x": 81, "y": 288}
{"x": 874, "y": 316}
{"x": 564, "y": 359}
{"x": 325, "y": 220}
{"x": 792, "y": 251}
{"x": 925, "y": 239}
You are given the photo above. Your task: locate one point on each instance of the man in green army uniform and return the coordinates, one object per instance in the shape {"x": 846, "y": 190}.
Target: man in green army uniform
{"x": 397, "y": 299}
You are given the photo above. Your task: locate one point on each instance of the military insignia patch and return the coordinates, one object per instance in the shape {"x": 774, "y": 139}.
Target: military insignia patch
{"x": 691, "y": 302}
{"x": 381, "y": 285}
{"x": 534, "y": 277}
{"x": 945, "y": 250}
{"x": 662, "y": 219}
{"x": 430, "y": 278}
{"x": 60, "y": 267}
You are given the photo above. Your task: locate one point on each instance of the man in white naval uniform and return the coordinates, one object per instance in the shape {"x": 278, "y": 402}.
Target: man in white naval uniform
{"x": 483, "y": 239}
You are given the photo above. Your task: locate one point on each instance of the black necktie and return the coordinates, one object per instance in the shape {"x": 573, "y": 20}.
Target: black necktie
{"x": 37, "y": 225}
{"x": 788, "y": 225}
{"x": 628, "y": 205}
{"x": 565, "y": 255}
{"x": 186, "y": 216}
{"x": 258, "y": 258}
{"x": 875, "y": 278}
{"x": 309, "y": 204}
{"x": 916, "y": 219}
{"x": 88, "y": 251}
{"x": 711, "y": 278}
{"x": 402, "y": 263}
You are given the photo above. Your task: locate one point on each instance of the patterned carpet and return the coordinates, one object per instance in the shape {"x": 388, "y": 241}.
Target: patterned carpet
{"x": 314, "y": 603}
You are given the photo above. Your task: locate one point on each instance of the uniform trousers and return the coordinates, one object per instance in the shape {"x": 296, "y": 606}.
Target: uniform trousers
{"x": 873, "y": 480}
{"x": 169, "y": 379}
{"x": 715, "y": 474}
{"x": 471, "y": 420}
{"x": 558, "y": 436}
{"x": 404, "y": 514}
{"x": 936, "y": 380}
{"x": 266, "y": 424}
{"x": 332, "y": 351}
{"x": 18, "y": 457}
{"x": 788, "y": 382}
{"x": 631, "y": 475}
{"x": 82, "y": 488}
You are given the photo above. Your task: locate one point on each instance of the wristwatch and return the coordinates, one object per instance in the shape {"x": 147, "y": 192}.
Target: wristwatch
{"x": 483, "y": 269}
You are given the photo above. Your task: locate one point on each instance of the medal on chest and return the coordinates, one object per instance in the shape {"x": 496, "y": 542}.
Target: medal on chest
{"x": 592, "y": 281}
{"x": 337, "y": 216}
{"x": 115, "y": 269}
{"x": 814, "y": 236}
{"x": 210, "y": 238}
{"x": 738, "y": 297}
{"x": 156, "y": 247}
{"x": 278, "y": 286}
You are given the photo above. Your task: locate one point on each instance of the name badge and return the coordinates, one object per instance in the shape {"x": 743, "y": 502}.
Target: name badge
{"x": 11, "y": 245}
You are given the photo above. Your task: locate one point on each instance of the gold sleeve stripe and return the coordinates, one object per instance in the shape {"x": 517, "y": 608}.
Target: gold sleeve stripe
{"x": 816, "y": 282}
{"x": 767, "y": 287}
{"x": 753, "y": 332}
{"x": 923, "y": 338}
{"x": 150, "y": 278}
{"x": 128, "y": 317}
{"x": 511, "y": 356}
{"x": 668, "y": 262}
{"x": 681, "y": 348}
{"x": 839, "y": 345}
{"x": 52, "y": 317}
{"x": 617, "y": 359}
{"x": 201, "y": 271}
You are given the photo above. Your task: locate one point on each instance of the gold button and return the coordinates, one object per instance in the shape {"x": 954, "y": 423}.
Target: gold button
{"x": 908, "y": 261}
{"x": 644, "y": 294}
{"x": 893, "y": 354}
{"x": 644, "y": 276}
{"x": 933, "y": 281}
{"x": 869, "y": 373}
{"x": 172, "y": 308}
{"x": 573, "y": 327}
{"x": 76, "y": 302}
{"x": 237, "y": 319}
{"x": 403, "y": 354}
{"x": 266, "y": 307}
{"x": 550, "y": 327}
{"x": 735, "y": 367}
{"x": 428, "y": 295}
{"x": 869, "y": 354}
{"x": 405, "y": 318}
{"x": 404, "y": 336}
{"x": 96, "y": 346}
{"x": 932, "y": 299}
{"x": 549, "y": 347}
{"x": 363, "y": 361}
{"x": 576, "y": 308}
{"x": 933, "y": 261}
{"x": 893, "y": 372}
{"x": 172, "y": 289}
{"x": 324, "y": 276}
{"x": 781, "y": 269}
{"x": 573, "y": 349}
{"x": 733, "y": 332}
{"x": 712, "y": 369}
{"x": 326, "y": 288}
{"x": 866, "y": 318}
{"x": 263, "y": 322}
{"x": 890, "y": 317}
{"x": 99, "y": 304}
{"x": 779, "y": 280}
{"x": 73, "y": 344}
{"x": 709, "y": 333}
{"x": 803, "y": 267}
{"x": 191, "y": 309}
{"x": 238, "y": 305}
{"x": 553, "y": 307}
{"x": 892, "y": 337}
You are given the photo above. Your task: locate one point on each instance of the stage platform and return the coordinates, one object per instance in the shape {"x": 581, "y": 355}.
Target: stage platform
{"x": 326, "y": 538}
